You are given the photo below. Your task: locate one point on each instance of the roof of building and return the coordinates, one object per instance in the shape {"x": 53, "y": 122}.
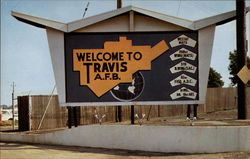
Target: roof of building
{"x": 75, "y": 25}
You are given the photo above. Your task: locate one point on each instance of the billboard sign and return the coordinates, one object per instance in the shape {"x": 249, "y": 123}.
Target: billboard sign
{"x": 131, "y": 67}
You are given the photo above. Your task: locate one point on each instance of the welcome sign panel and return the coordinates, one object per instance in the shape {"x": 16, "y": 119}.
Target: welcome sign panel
{"x": 131, "y": 67}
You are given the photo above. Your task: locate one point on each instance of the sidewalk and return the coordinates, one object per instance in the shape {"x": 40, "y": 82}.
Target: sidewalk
{"x": 31, "y": 151}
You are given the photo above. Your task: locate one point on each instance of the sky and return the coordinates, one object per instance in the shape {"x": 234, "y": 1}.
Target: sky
{"x": 25, "y": 57}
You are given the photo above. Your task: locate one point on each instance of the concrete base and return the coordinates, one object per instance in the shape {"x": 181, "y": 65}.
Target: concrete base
{"x": 146, "y": 138}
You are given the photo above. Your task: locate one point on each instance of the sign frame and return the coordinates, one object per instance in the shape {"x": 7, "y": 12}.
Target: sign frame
{"x": 56, "y": 44}
{"x": 124, "y": 102}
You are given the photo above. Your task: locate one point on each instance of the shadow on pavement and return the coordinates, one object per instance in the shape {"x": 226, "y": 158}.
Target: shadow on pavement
{"x": 23, "y": 146}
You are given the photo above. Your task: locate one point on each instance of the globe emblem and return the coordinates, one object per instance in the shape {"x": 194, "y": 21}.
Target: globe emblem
{"x": 129, "y": 91}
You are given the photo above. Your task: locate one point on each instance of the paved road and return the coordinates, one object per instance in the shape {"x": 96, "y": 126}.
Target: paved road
{"x": 30, "y": 151}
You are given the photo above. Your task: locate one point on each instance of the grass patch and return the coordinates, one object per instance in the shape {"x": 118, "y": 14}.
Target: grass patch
{"x": 6, "y": 123}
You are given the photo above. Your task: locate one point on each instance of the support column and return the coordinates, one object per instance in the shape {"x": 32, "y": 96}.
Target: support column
{"x": 69, "y": 117}
{"x": 132, "y": 114}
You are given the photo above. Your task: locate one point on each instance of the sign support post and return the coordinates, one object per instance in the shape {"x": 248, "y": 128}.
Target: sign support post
{"x": 69, "y": 117}
{"x": 75, "y": 116}
{"x": 132, "y": 114}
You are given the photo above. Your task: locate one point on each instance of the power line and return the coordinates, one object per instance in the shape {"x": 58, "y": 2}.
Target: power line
{"x": 178, "y": 8}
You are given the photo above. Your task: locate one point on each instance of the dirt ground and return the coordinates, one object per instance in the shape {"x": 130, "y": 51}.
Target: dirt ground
{"x": 33, "y": 151}
{"x": 219, "y": 118}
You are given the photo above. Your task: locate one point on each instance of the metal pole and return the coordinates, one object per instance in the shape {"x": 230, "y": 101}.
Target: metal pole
{"x": 75, "y": 116}
{"x": 241, "y": 55}
{"x": 132, "y": 114}
{"x": 69, "y": 117}
{"x": 195, "y": 110}
{"x": 188, "y": 110}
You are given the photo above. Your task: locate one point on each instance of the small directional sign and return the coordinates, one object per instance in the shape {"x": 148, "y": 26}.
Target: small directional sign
{"x": 183, "y": 79}
{"x": 184, "y": 92}
{"x": 183, "y": 53}
{"x": 183, "y": 66}
{"x": 244, "y": 74}
{"x": 183, "y": 40}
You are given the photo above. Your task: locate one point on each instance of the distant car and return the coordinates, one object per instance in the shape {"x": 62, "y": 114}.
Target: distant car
{"x": 15, "y": 116}
{"x": 6, "y": 115}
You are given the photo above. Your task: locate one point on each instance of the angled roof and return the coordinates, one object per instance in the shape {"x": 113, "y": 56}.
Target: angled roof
{"x": 39, "y": 22}
{"x": 75, "y": 25}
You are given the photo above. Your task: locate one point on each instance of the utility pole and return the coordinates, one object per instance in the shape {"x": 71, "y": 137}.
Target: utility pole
{"x": 13, "y": 106}
{"x": 119, "y": 3}
{"x": 119, "y": 108}
{"x": 241, "y": 55}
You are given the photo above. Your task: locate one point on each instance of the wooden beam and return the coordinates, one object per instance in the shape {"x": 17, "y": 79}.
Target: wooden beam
{"x": 119, "y": 3}
{"x": 131, "y": 21}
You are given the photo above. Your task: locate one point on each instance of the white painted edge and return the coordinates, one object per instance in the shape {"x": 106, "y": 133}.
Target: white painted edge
{"x": 56, "y": 46}
{"x": 185, "y": 139}
{"x": 205, "y": 38}
{"x": 75, "y": 25}
{"x": 41, "y": 21}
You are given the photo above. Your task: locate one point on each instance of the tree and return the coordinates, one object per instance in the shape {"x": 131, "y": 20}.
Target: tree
{"x": 233, "y": 67}
{"x": 214, "y": 79}
{"x": 4, "y": 106}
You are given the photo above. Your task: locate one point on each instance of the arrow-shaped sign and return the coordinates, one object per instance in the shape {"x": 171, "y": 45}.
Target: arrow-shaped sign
{"x": 183, "y": 79}
{"x": 183, "y": 66}
{"x": 244, "y": 74}
{"x": 183, "y": 53}
{"x": 183, "y": 92}
{"x": 183, "y": 40}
